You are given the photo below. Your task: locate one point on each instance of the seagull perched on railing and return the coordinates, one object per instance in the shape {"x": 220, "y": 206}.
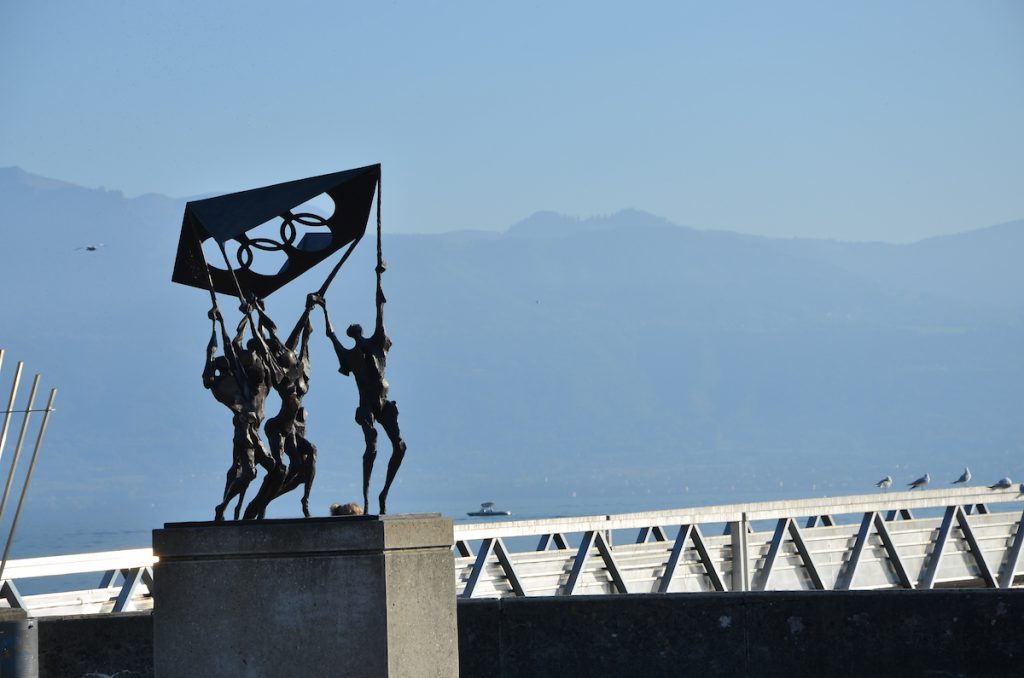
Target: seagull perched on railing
{"x": 920, "y": 482}
{"x": 1003, "y": 484}
{"x": 885, "y": 483}
{"x": 964, "y": 477}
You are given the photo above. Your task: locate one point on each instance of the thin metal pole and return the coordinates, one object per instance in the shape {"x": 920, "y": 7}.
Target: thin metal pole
{"x": 28, "y": 477}
{"x": 337, "y": 267}
{"x": 17, "y": 448}
{"x": 10, "y": 406}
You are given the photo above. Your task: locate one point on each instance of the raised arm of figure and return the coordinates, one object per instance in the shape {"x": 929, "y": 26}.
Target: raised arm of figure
{"x": 209, "y": 369}
{"x": 243, "y": 324}
{"x": 339, "y": 349}
{"x": 302, "y": 326}
{"x": 265, "y": 323}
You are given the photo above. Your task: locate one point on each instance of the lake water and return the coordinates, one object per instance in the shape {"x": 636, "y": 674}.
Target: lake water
{"x": 48, "y": 536}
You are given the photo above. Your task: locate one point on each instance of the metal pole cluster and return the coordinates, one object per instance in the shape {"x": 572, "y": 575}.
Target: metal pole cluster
{"x": 26, "y": 412}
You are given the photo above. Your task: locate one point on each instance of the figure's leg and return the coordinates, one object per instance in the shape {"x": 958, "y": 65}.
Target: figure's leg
{"x": 365, "y": 420}
{"x": 389, "y": 422}
{"x": 272, "y": 481}
{"x": 218, "y": 511}
{"x": 246, "y": 473}
{"x": 296, "y": 465}
{"x": 241, "y": 456}
{"x": 309, "y": 472}
{"x": 241, "y": 496}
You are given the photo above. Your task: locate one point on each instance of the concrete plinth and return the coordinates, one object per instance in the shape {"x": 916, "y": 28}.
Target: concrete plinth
{"x": 353, "y": 596}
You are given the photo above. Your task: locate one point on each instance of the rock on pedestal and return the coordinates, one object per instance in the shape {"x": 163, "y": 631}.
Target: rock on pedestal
{"x": 349, "y": 596}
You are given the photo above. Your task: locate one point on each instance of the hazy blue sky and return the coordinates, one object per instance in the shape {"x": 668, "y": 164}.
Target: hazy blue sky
{"x": 858, "y": 120}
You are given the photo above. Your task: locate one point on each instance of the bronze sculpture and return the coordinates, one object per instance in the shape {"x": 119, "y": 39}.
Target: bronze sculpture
{"x": 286, "y": 430}
{"x": 239, "y": 379}
{"x": 242, "y": 377}
{"x": 366, "y": 361}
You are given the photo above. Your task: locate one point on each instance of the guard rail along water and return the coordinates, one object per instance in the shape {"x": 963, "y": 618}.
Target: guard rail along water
{"x": 963, "y": 537}
{"x": 870, "y": 541}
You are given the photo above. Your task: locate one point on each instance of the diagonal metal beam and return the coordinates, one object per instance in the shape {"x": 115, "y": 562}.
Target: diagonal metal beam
{"x": 705, "y": 559}
{"x": 1010, "y": 568}
{"x": 505, "y": 560}
{"x": 826, "y": 520}
{"x": 478, "y": 567}
{"x": 674, "y": 558}
{"x": 927, "y": 579}
{"x": 462, "y": 548}
{"x": 609, "y": 561}
{"x": 972, "y": 542}
{"x": 805, "y": 555}
{"x": 690, "y": 533}
{"x": 124, "y": 598}
{"x": 556, "y": 538}
{"x": 844, "y": 582}
{"x": 579, "y": 561}
{"x": 12, "y": 595}
{"x": 894, "y": 555}
{"x": 648, "y": 532}
{"x": 773, "y": 554}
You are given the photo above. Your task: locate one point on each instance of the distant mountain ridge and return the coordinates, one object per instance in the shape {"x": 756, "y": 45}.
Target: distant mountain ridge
{"x": 618, "y": 353}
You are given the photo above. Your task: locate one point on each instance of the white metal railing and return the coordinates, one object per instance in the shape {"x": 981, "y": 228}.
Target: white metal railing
{"x": 855, "y": 542}
{"x": 125, "y": 582}
{"x": 973, "y": 538}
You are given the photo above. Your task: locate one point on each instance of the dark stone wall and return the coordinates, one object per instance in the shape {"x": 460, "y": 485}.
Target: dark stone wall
{"x": 118, "y": 645}
{"x": 860, "y": 633}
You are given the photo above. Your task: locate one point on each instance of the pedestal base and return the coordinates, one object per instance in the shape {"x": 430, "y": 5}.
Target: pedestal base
{"x": 352, "y": 596}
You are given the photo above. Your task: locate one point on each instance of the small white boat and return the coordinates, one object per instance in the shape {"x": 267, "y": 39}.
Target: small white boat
{"x": 487, "y": 510}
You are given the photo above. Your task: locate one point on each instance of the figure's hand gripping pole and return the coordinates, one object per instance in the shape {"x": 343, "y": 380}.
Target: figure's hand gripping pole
{"x": 247, "y": 301}
{"x": 237, "y": 371}
{"x": 215, "y": 314}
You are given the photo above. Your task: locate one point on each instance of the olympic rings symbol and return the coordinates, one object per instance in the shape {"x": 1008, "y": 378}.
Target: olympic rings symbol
{"x": 289, "y": 234}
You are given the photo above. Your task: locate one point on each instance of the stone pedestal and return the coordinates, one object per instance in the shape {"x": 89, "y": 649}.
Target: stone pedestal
{"x": 349, "y": 596}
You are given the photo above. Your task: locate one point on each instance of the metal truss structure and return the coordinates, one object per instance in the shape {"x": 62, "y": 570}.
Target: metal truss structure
{"x": 964, "y": 537}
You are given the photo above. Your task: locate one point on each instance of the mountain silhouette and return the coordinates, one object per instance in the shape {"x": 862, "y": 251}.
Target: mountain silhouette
{"x": 619, "y": 354}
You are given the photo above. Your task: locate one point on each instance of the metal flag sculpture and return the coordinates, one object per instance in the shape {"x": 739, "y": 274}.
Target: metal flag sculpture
{"x": 227, "y": 219}
{"x": 244, "y": 375}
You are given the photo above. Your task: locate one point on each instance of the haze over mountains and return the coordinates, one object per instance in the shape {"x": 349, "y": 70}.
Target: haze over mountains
{"x": 619, "y": 359}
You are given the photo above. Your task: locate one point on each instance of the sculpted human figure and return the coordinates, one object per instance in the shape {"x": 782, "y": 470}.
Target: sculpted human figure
{"x": 366, "y": 361}
{"x": 239, "y": 380}
{"x": 286, "y": 430}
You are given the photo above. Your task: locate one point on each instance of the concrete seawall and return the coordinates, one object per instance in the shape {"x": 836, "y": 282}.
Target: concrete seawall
{"x": 792, "y": 634}
{"x": 870, "y": 633}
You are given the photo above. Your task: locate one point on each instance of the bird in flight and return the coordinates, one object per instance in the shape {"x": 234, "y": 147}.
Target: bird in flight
{"x": 920, "y": 482}
{"x": 1003, "y": 484}
{"x": 885, "y": 483}
{"x": 964, "y": 477}
{"x": 91, "y": 247}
